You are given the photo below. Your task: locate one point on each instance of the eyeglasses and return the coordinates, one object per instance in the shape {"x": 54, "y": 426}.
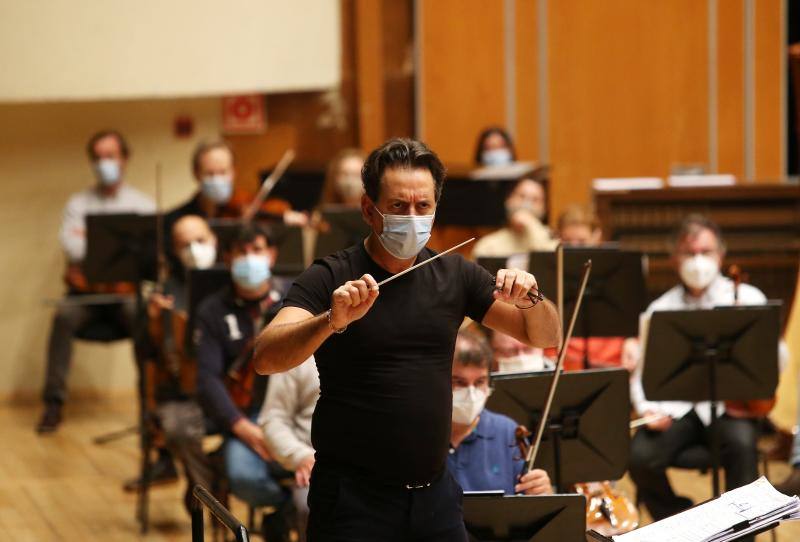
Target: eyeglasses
{"x": 534, "y": 296}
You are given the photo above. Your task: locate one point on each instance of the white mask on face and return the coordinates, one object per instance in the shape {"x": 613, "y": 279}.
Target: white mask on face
{"x": 521, "y": 363}
{"x": 496, "y": 157}
{"x": 468, "y": 403}
{"x": 349, "y": 186}
{"x": 198, "y": 255}
{"x": 699, "y": 271}
{"x": 404, "y": 236}
{"x": 108, "y": 171}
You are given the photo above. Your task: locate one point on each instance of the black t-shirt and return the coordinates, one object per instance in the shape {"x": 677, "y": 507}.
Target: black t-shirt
{"x": 385, "y": 383}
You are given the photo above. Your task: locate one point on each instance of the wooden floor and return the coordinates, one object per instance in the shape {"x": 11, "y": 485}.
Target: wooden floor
{"x": 64, "y": 487}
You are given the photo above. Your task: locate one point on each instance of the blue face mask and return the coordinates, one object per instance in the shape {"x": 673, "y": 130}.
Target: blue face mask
{"x": 251, "y": 271}
{"x": 497, "y": 157}
{"x": 404, "y": 236}
{"x": 108, "y": 171}
{"x": 217, "y": 188}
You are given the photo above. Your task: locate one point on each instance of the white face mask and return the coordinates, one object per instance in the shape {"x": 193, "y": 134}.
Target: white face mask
{"x": 496, "y": 157}
{"x": 468, "y": 403}
{"x": 108, "y": 171}
{"x": 198, "y": 255}
{"x": 699, "y": 271}
{"x": 404, "y": 236}
{"x": 521, "y": 363}
{"x": 217, "y": 188}
{"x": 349, "y": 186}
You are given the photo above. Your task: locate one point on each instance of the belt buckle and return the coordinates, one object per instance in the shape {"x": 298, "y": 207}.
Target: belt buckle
{"x": 420, "y": 486}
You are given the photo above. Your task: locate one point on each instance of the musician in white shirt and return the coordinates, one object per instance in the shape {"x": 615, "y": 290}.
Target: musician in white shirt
{"x": 697, "y": 256}
{"x": 108, "y": 156}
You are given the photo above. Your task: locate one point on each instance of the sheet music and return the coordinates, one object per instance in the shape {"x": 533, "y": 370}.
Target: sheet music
{"x": 733, "y": 513}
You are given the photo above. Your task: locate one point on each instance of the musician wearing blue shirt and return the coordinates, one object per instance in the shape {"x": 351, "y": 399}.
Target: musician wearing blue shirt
{"x": 483, "y": 453}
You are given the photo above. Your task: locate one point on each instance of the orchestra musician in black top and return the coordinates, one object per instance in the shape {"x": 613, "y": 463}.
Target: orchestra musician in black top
{"x": 381, "y": 428}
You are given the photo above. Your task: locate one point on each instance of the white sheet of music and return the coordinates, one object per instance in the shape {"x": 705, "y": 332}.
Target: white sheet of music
{"x": 743, "y": 509}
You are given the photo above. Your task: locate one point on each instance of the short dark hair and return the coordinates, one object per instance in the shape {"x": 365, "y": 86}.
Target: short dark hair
{"x": 692, "y": 224}
{"x": 484, "y": 135}
{"x": 248, "y": 233}
{"x": 402, "y": 153}
{"x": 102, "y": 134}
{"x": 472, "y": 349}
{"x": 207, "y": 146}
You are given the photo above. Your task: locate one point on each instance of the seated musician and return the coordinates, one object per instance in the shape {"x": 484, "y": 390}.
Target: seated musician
{"x": 108, "y": 156}
{"x": 214, "y": 169}
{"x": 483, "y": 455}
{"x": 524, "y": 231}
{"x": 513, "y": 356}
{"x": 494, "y": 148}
{"x": 179, "y": 416}
{"x": 579, "y": 227}
{"x": 227, "y": 387}
{"x": 286, "y": 419}
{"x": 697, "y": 257}
{"x": 342, "y": 186}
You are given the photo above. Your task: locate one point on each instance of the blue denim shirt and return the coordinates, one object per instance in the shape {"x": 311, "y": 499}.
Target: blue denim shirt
{"x": 488, "y": 459}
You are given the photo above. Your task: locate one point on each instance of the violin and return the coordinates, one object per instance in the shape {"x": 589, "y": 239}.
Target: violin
{"x": 754, "y": 408}
{"x": 608, "y": 511}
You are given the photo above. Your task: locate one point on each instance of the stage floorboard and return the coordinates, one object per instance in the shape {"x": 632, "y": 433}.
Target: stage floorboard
{"x": 65, "y": 487}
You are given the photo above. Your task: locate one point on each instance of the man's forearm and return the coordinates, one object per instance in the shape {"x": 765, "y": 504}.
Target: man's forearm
{"x": 281, "y": 347}
{"x": 542, "y": 325}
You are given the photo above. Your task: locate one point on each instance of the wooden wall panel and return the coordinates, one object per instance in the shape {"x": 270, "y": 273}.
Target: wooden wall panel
{"x": 627, "y": 89}
{"x": 462, "y": 74}
{"x": 730, "y": 87}
{"x": 527, "y": 79}
{"x": 770, "y": 60}
{"x": 369, "y": 66}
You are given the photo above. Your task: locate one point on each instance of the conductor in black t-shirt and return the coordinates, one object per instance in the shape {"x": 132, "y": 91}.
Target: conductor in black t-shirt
{"x": 381, "y": 427}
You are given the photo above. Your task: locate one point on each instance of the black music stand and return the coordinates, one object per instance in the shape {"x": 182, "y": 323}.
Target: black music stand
{"x": 587, "y": 436}
{"x": 301, "y": 186}
{"x": 346, "y": 228}
{"x": 466, "y": 190}
{"x": 615, "y": 295}
{"x": 120, "y": 248}
{"x": 522, "y": 518}
{"x": 721, "y": 354}
{"x": 291, "y": 257}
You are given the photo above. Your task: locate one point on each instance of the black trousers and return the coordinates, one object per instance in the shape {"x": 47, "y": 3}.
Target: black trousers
{"x": 653, "y": 451}
{"x": 344, "y": 508}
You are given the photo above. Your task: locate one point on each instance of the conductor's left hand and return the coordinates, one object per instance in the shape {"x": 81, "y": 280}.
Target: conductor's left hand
{"x": 536, "y": 482}
{"x": 512, "y": 285}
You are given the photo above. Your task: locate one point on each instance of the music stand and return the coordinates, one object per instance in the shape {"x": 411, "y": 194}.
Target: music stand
{"x": 486, "y": 189}
{"x": 588, "y": 428}
{"x": 543, "y": 518}
{"x": 289, "y": 240}
{"x": 347, "y": 227}
{"x": 721, "y": 354}
{"x": 120, "y": 248}
{"x": 300, "y": 186}
{"x": 615, "y": 296}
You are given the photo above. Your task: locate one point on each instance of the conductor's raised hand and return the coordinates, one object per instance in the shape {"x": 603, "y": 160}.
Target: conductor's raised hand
{"x": 512, "y": 285}
{"x": 352, "y": 300}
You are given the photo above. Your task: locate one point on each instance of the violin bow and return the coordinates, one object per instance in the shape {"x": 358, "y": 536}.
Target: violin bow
{"x": 533, "y": 450}
{"x": 267, "y": 186}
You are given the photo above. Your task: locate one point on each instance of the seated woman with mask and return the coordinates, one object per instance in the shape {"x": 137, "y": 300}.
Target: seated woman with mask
{"x": 483, "y": 455}
{"x": 524, "y": 230}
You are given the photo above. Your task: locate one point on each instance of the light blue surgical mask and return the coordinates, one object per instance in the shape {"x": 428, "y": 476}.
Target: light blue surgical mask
{"x": 497, "y": 157}
{"x": 404, "y": 236}
{"x": 217, "y": 188}
{"x": 251, "y": 271}
{"x": 108, "y": 171}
